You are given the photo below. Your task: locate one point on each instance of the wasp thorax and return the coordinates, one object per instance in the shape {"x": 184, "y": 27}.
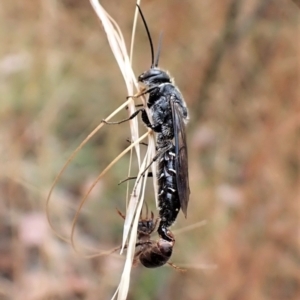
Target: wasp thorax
{"x": 154, "y": 76}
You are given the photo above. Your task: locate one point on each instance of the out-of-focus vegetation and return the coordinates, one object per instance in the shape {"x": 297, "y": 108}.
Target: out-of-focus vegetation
{"x": 237, "y": 64}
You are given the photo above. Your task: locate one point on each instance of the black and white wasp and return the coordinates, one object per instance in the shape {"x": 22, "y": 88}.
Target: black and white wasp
{"x": 169, "y": 115}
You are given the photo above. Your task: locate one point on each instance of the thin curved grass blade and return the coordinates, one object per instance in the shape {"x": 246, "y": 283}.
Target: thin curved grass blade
{"x": 93, "y": 185}
{"x": 71, "y": 157}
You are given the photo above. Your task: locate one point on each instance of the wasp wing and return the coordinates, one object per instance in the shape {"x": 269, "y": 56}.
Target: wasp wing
{"x": 181, "y": 156}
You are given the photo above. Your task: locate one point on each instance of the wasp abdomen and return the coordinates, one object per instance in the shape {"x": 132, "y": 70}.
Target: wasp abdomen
{"x": 168, "y": 199}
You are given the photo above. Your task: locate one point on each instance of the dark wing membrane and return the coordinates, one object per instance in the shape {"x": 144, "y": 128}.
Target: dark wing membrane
{"x": 181, "y": 159}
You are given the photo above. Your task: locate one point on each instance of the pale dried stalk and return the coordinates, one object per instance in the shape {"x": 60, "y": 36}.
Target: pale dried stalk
{"x": 135, "y": 204}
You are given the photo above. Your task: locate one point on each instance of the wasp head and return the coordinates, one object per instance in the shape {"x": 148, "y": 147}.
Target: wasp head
{"x": 154, "y": 76}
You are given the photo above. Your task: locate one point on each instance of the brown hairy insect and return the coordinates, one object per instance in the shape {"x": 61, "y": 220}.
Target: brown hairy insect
{"x": 151, "y": 253}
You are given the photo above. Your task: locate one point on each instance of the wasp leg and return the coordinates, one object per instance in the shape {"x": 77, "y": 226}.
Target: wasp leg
{"x": 145, "y": 119}
{"x": 138, "y": 94}
{"x": 150, "y": 174}
{"x": 137, "y": 105}
{"x": 125, "y": 120}
{"x": 141, "y": 143}
{"x": 159, "y": 153}
{"x": 143, "y": 92}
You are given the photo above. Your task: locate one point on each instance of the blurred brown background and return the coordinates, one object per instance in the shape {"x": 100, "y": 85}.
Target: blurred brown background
{"x": 237, "y": 63}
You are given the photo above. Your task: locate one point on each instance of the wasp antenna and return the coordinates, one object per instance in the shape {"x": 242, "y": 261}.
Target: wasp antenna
{"x": 158, "y": 49}
{"x": 149, "y": 36}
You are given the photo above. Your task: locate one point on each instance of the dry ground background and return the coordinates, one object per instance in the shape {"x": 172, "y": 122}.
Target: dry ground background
{"x": 237, "y": 63}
